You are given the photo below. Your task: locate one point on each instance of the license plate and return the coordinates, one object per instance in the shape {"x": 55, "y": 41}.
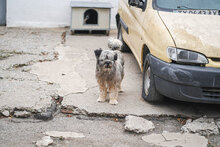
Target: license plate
{"x": 203, "y": 12}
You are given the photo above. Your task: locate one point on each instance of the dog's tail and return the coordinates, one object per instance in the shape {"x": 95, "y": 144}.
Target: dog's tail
{"x": 114, "y": 44}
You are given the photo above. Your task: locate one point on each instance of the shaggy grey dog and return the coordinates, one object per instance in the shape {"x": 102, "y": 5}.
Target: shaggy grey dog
{"x": 109, "y": 74}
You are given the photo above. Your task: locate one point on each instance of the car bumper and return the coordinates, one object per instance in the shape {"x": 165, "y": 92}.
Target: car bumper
{"x": 186, "y": 82}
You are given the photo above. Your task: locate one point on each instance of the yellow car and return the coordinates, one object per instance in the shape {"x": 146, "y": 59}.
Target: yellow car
{"x": 177, "y": 46}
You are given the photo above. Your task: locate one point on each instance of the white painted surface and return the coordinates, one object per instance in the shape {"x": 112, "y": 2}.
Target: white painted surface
{"x": 78, "y": 21}
{"x": 46, "y": 13}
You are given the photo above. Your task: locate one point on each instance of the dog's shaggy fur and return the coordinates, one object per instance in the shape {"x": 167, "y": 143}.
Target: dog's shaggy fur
{"x": 109, "y": 74}
{"x": 114, "y": 44}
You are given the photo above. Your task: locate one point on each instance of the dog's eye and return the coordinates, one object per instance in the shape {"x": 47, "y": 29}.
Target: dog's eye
{"x": 101, "y": 60}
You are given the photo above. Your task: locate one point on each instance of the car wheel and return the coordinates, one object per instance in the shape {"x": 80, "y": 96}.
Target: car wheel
{"x": 124, "y": 47}
{"x": 149, "y": 92}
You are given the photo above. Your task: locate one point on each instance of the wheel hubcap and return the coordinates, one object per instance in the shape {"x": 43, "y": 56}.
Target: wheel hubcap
{"x": 147, "y": 81}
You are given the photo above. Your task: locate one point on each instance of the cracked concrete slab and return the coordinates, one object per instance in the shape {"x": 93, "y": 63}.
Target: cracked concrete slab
{"x": 130, "y": 101}
{"x": 98, "y": 133}
{"x": 30, "y": 41}
{"x": 203, "y": 126}
{"x": 16, "y": 61}
{"x": 72, "y": 75}
{"x": 62, "y": 71}
{"x": 29, "y": 95}
{"x": 17, "y": 75}
{"x": 19, "y": 49}
{"x": 168, "y": 139}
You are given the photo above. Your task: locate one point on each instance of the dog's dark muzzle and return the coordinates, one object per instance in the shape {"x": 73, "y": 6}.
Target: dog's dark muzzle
{"x": 108, "y": 64}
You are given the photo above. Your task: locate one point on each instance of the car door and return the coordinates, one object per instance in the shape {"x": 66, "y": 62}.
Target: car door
{"x": 136, "y": 29}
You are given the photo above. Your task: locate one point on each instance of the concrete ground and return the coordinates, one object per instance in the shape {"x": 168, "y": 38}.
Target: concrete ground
{"x": 98, "y": 131}
{"x": 74, "y": 71}
{"x": 38, "y": 65}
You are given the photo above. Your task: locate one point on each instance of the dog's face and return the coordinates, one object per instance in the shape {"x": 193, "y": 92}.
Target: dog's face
{"x": 105, "y": 60}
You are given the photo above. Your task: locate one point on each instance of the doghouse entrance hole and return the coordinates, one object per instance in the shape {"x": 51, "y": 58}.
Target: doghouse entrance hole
{"x": 91, "y": 17}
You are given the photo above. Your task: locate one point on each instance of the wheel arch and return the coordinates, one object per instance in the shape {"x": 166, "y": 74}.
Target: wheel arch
{"x": 145, "y": 51}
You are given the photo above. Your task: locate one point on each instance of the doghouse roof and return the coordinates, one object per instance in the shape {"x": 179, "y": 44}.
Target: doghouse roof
{"x": 91, "y": 4}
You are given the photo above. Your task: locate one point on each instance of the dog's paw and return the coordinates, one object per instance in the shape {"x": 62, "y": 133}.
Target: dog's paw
{"x": 100, "y": 100}
{"x": 120, "y": 91}
{"x": 113, "y": 102}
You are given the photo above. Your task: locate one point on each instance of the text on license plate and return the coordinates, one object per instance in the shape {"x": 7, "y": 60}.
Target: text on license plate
{"x": 204, "y": 12}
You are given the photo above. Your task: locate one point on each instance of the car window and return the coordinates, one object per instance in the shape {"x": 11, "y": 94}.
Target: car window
{"x": 145, "y": 4}
{"x": 188, "y": 4}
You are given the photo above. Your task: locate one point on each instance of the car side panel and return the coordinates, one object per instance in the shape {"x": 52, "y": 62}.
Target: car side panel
{"x": 145, "y": 28}
{"x": 127, "y": 15}
{"x": 155, "y": 35}
{"x": 136, "y": 30}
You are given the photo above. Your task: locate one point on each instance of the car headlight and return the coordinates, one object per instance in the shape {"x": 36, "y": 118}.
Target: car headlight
{"x": 185, "y": 56}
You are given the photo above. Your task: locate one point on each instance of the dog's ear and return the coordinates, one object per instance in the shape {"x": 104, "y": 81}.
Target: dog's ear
{"x": 98, "y": 52}
{"x": 115, "y": 57}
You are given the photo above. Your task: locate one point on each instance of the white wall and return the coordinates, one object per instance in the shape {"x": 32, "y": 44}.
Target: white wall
{"x": 45, "y": 13}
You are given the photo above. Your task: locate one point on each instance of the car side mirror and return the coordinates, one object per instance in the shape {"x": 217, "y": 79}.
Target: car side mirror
{"x": 136, "y": 3}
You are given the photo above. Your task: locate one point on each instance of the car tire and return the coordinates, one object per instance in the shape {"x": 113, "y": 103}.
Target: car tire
{"x": 124, "y": 47}
{"x": 149, "y": 92}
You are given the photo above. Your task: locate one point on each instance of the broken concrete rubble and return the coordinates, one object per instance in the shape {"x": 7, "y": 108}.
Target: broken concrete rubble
{"x": 48, "y": 114}
{"x": 168, "y": 139}
{"x": 203, "y": 126}
{"x": 45, "y": 141}
{"x": 65, "y": 135}
{"x": 22, "y": 114}
{"x": 138, "y": 124}
{"x": 5, "y": 113}
{"x": 218, "y": 123}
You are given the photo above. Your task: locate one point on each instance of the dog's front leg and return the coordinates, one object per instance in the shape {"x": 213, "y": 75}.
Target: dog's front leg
{"x": 102, "y": 92}
{"x": 113, "y": 95}
{"x": 119, "y": 87}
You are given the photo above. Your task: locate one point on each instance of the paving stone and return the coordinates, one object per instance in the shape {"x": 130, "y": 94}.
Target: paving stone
{"x": 45, "y": 141}
{"x": 65, "y": 135}
{"x": 176, "y": 139}
{"x": 138, "y": 124}
{"x": 203, "y": 126}
{"x": 6, "y": 113}
{"x": 22, "y": 114}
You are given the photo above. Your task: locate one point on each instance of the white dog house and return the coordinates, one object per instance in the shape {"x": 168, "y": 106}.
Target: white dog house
{"x": 90, "y": 16}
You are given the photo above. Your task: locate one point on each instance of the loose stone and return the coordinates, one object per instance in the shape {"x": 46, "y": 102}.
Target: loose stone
{"x": 138, "y": 124}
{"x": 203, "y": 126}
{"x": 22, "y": 114}
{"x": 45, "y": 141}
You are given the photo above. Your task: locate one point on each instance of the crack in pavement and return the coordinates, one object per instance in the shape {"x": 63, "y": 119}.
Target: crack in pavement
{"x": 21, "y": 90}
